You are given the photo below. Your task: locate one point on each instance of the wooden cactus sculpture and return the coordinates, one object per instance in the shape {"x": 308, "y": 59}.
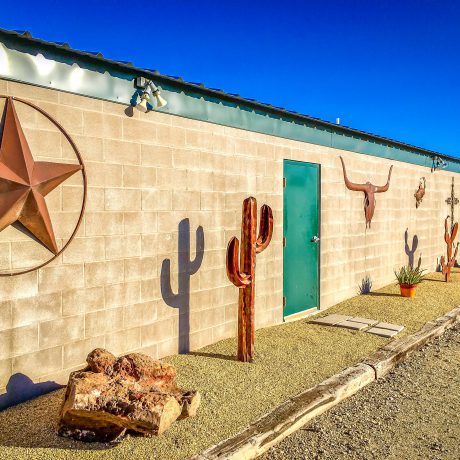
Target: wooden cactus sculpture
{"x": 242, "y": 274}
{"x": 449, "y": 238}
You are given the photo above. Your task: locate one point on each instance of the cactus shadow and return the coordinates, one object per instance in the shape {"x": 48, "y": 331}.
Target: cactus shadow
{"x": 187, "y": 268}
{"x": 410, "y": 251}
{"x": 21, "y": 388}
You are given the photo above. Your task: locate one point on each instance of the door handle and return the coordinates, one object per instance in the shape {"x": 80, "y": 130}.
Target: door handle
{"x": 314, "y": 239}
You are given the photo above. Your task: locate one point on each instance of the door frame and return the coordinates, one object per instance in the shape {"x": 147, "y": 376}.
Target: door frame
{"x": 312, "y": 310}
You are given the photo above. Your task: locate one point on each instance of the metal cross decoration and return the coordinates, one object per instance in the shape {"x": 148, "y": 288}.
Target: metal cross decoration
{"x": 452, "y": 200}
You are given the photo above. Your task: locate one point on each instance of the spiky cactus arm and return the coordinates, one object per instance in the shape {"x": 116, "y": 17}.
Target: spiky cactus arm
{"x": 240, "y": 280}
{"x": 442, "y": 261}
{"x": 454, "y": 232}
{"x": 446, "y": 230}
{"x": 265, "y": 228}
{"x": 454, "y": 258}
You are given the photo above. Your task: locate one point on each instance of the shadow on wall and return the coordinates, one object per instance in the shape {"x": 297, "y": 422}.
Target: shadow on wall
{"x": 410, "y": 252}
{"x": 21, "y": 388}
{"x": 187, "y": 268}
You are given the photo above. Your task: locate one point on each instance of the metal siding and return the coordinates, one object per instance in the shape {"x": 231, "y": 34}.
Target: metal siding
{"x": 117, "y": 85}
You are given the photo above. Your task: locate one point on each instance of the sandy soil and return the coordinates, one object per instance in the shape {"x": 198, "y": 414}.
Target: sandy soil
{"x": 414, "y": 413}
{"x": 289, "y": 359}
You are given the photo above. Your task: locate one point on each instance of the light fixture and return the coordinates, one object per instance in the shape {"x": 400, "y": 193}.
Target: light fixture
{"x": 149, "y": 89}
{"x": 438, "y": 163}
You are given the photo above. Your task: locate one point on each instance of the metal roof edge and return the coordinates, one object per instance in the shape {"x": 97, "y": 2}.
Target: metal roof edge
{"x": 97, "y": 57}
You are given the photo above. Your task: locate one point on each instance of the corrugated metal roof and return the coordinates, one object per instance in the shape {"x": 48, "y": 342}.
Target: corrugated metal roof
{"x": 219, "y": 93}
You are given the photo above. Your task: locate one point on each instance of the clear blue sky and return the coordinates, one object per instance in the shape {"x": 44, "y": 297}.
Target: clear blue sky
{"x": 388, "y": 67}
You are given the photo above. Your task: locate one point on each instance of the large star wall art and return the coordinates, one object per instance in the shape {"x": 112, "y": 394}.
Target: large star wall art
{"x": 24, "y": 182}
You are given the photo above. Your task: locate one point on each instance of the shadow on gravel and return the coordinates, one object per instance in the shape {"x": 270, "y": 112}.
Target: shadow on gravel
{"x": 383, "y": 294}
{"x": 213, "y": 355}
{"x": 34, "y": 424}
{"x": 21, "y": 388}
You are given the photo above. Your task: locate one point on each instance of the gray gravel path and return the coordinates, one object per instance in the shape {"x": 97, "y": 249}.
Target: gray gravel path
{"x": 413, "y": 413}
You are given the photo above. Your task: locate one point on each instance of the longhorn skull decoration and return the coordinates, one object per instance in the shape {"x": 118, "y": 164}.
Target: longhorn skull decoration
{"x": 420, "y": 193}
{"x": 369, "y": 191}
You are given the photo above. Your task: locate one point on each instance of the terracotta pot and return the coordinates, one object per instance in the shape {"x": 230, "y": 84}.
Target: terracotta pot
{"x": 408, "y": 290}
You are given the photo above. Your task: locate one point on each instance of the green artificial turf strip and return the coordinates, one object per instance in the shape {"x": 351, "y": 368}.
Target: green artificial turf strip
{"x": 290, "y": 358}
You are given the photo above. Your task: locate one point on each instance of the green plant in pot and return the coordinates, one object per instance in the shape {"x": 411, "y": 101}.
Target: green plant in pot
{"x": 408, "y": 278}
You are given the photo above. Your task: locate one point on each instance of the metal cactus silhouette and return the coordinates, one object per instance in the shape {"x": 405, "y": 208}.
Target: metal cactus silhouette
{"x": 242, "y": 274}
{"x": 369, "y": 191}
{"x": 449, "y": 238}
{"x": 187, "y": 268}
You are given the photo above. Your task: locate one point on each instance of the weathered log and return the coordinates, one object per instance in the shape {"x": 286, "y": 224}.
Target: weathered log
{"x": 132, "y": 393}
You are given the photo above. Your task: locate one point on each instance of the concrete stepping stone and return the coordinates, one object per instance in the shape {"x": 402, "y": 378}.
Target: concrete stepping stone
{"x": 389, "y": 326}
{"x": 382, "y": 332}
{"x": 385, "y": 329}
{"x": 331, "y": 320}
{"x": 369, "y": 322}
{"x": 356, "y": 323}
{"x": 352, "y": 324}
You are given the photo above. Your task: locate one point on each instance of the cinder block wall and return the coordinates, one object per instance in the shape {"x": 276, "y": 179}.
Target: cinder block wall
{"x": 148, "y": 172}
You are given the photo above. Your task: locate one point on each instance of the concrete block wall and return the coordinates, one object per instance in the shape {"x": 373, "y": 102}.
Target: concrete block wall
{"x": 148, "y": 172}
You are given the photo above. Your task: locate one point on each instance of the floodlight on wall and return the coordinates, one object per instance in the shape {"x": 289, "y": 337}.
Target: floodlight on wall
{"x": 438, "y": 163}
{"x": 149, "y": 90}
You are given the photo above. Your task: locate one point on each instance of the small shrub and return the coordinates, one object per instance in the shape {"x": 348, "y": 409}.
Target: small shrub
{"x": 365, "y": 286}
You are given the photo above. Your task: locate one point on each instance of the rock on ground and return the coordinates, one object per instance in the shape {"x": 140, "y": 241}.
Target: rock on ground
{"x": 133, "y": 393}
{"x": 413, "y": 413}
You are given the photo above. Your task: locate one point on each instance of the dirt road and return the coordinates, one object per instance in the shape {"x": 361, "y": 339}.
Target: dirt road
{"x": 414, "y": 413}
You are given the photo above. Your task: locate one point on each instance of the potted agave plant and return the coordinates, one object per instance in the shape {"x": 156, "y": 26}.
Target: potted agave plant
{"x": 408, "y": 278}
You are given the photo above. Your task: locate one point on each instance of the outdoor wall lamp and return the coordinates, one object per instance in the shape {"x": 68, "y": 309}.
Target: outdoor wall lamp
{"x": 149, "y": 89}
{"x": 438, "y": 163}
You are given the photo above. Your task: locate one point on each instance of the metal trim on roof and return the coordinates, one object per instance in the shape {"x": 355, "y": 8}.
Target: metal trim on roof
{"x": 220, "y": 94}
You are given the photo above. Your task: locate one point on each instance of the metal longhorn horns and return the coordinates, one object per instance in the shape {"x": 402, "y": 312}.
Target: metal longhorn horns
{"x": 449, "y": 238}
{"x": 369, "y": 191}
{"x": 242, "y": 273}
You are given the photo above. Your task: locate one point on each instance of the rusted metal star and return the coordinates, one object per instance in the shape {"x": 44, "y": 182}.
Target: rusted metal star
{"x": 24, "y": 183}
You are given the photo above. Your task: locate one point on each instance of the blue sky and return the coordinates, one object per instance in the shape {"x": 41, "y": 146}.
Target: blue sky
{"x": 387, "y": 67}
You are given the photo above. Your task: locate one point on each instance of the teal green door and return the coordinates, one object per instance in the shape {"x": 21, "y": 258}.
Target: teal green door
{"x": 301, "y": 236}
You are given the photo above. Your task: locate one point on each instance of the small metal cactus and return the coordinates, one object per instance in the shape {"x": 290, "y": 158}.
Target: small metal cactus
{"x": 187, "y": 267}
{"x": 242, "y": 274}
{"x": 449, "y": 239}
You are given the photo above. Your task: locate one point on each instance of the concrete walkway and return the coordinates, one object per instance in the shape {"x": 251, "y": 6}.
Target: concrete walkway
{"x": 413, "y": 413}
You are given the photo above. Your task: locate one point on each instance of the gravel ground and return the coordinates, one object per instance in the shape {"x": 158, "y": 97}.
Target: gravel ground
{"x": 290, "y": 358}
{"x": 413, "y": 413}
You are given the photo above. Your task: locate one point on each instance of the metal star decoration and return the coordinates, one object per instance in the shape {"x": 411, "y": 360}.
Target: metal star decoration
{"x": 24, "y": 183}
